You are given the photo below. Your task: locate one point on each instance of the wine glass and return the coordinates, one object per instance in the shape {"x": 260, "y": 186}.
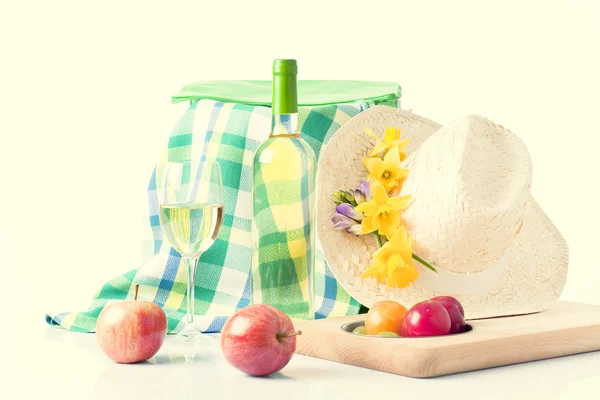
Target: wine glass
{"x": 191, "y": 213}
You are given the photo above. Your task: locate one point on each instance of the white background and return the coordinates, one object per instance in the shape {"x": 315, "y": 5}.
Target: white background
{"x": 85, "y": 109}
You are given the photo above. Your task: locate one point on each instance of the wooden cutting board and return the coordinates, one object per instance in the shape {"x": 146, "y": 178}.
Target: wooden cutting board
{"x": 566, "y": 328}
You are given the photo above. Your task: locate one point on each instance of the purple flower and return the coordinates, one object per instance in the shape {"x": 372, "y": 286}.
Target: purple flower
{"x": 363, "y": 193}
{"x": 355, "y": 230}
{"x": 359, "y": 197}
{"x": 349, "y": 211}
{"x": 346, "y": 217}
{"x": 365, "y": 188}
{"x": 342, "y": 222}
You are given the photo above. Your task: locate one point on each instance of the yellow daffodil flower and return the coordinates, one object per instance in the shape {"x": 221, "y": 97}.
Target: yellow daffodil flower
{"x": 387, "y": 171}
{"x": 391, "y": 139}
{"x": 382, "y": 213}
{"x": 393, "y": 262}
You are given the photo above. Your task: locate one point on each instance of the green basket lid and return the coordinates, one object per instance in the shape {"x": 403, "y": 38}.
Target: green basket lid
{"x": 310, "y": 93}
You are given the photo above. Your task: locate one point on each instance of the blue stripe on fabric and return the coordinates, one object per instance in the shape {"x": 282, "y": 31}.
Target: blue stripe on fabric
{"x": 153, "y": 208}
{"x": 328, "y": 297}
{"x": 353, "y": 110}
{"x": 330, "y": 288}
{"x": 318, "y": 314}
{"x": 245, "y": 299}
{"x": 57, "y": 319}
{"x": 216, "y": 325}
{"x": 154, "y": 220}
{"x": 214, "y": 115}
{"x": 152, "y": 184}
{"x": 363, "y": 105}
{"x": 168, "y": 277}
{"x": 162, "y": 295}
{"x": 252, "y": 145}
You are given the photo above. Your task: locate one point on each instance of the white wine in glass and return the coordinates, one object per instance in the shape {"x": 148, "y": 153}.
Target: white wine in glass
{"x": 191, "y": 213}
{"x": 191, "y": 228}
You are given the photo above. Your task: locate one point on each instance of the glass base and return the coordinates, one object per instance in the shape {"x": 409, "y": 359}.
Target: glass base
{"x": 188, "y": 342}
{"x": 191, "y": 336}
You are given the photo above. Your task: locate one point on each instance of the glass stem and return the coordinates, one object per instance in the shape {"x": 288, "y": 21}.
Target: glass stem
{"x": 190, "y": 263}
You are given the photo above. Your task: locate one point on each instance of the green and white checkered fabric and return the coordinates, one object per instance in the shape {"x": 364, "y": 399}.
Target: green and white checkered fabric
{"x": 229, "y": 133}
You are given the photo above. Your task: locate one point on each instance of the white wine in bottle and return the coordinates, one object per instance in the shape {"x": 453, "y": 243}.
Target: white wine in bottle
{"x": 283, "y": 248}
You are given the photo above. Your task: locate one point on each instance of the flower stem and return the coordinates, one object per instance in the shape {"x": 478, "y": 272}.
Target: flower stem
{"x": 416, "y": 257}
{"x": 423, "y": 262}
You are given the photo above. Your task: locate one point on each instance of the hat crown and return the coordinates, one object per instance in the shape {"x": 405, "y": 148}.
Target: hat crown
{"x": 471, "y": 182}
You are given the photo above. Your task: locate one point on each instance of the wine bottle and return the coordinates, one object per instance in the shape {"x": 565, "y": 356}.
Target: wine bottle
{"x": 283, "y": 240}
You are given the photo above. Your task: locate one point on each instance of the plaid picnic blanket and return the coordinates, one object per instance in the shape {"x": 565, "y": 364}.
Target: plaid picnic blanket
{"x": 229, "y": 133}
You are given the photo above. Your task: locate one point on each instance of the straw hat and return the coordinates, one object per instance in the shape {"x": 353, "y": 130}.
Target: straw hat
{"x": 472, "y": 217}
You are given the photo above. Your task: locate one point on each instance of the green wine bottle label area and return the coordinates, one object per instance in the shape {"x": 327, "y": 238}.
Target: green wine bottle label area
{"x": 283, "y": 236}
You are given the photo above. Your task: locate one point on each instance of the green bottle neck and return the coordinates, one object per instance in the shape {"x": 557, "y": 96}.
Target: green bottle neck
{"x": 285, "y": 98}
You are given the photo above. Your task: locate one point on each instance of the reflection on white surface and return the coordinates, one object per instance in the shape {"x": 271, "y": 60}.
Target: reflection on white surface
{"x": 208, "y": 375}
{"x": 165, "y": 376}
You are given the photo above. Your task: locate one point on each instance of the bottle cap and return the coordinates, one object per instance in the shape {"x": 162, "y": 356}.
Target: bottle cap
{"x": 285, "y": 67}
{"x": 285, "y": 87}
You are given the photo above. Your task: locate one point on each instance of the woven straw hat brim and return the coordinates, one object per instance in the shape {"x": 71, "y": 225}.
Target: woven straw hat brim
{"x": 529, "y": 277}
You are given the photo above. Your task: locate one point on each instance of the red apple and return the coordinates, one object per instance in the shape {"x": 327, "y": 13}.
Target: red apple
{"x": 259, "y": 340}
{"x": 131, "y": 331}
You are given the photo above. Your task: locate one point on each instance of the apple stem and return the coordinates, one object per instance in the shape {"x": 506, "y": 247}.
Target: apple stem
{"x": 137, "y": 287}
{"x": 281, "y": 335}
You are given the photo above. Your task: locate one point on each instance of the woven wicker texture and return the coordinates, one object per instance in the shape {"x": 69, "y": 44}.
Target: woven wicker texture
{"x": 472, "y": 216}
